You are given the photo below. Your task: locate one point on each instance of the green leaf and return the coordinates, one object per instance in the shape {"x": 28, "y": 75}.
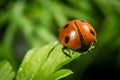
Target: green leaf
{"x": 60, "y": 74}
{"x": 45, "y": 63}
{"x": 6, "y": 72}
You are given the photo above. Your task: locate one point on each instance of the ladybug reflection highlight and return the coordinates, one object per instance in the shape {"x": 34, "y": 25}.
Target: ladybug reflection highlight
{"x": 77, "y": 35}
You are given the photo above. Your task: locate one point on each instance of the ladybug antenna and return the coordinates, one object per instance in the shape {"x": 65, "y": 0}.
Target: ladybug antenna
{"x": 65, "y": 52}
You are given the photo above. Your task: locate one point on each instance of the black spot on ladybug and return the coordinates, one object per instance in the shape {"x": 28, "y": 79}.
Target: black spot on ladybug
{"x": 67, "y": 38}
{"x": 92, "y": 32}
{"x": 82, "y": 21}
{"x": 66, "y": 26}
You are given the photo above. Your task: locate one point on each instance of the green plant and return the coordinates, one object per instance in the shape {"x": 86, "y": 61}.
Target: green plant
{"x": 40, "y": 64}
{"x": 6, "y": 72}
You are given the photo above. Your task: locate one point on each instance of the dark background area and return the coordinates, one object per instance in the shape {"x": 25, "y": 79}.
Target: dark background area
{"x": 25, "y": 24}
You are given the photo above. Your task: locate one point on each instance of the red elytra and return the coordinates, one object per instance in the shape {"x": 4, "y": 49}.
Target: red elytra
{"x": 77, "y": 35}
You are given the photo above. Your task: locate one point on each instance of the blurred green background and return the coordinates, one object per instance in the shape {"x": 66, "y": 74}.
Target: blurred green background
{"x": 25, "y": 24}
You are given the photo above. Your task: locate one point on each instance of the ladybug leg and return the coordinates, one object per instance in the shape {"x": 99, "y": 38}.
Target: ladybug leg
{"x": 90, "y": 53}
{"x": 90, "y": 50}
{"x": 65, "y": 50}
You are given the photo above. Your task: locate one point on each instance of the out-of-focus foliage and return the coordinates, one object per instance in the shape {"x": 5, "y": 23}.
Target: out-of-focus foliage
{"x": 25, "y": 24}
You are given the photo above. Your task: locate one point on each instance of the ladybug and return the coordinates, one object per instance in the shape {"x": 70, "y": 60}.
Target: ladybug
{"x": 77, "y": 35}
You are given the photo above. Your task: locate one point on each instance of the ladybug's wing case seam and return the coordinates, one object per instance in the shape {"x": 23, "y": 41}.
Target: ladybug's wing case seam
{"x": 80, "y": 35}
{"x": 83, "y": 46}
